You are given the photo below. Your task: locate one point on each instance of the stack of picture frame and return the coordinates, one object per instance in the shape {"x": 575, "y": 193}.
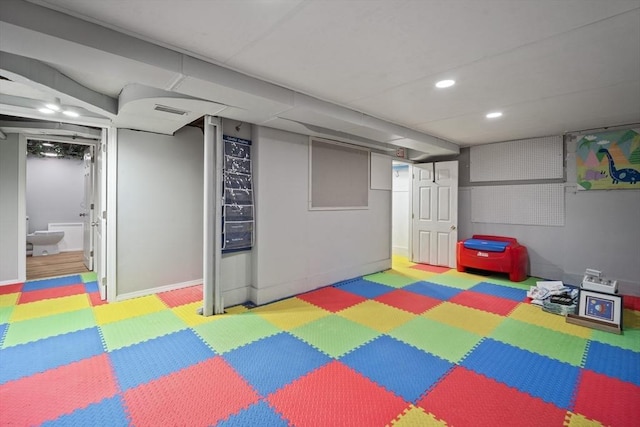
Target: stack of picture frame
{"x": 598, "y": 310}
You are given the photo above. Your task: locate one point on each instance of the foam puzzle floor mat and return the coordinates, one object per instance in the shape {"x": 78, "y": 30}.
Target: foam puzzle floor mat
{"x": 411, "y": 346}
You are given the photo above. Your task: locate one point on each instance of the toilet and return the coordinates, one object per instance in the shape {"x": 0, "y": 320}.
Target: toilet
{"x": 44, "y": 242}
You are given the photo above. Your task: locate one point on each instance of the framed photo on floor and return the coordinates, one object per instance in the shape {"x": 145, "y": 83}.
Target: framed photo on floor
{"x": 602, "y": 307}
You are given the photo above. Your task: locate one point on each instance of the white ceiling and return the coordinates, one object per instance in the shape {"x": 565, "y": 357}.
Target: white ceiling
{"x": 550, "y": 66}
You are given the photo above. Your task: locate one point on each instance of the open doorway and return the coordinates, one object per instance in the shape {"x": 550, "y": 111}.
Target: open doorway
{"x": 59, "y": 203}
{"x": 401, "y": 210}
{"x": 425, "y": 212}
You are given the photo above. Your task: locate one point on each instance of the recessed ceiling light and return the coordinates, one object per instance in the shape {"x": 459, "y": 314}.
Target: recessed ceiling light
{"x": 46, "y": 110}
{"x": 70, "y": 113}
{"x": 445, "y": 83}
{"x": 494, "y": 115}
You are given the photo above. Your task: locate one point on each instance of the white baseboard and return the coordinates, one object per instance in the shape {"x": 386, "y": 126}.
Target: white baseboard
{"x": 262, "y": 296}
{"x": 151, "y": 291}
{"x": 11, "y": 282}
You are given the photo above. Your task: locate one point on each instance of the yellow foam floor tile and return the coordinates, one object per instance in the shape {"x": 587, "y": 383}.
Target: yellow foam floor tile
{"x": 290, "y": 313}
{"x": 129, "y": 308}
{"x": 48, "y": 307}
{"x": 375, "y": 315}
{"x": 414, "y": 416}
{"x": 189, "y": 313}
{"x": 9, "y": 299}
{"x": 631, "y": 319}
{"x": 469, "y": 319}
{"x": 536, "y": 316}
{"x": 401, "y": 261}
{"x": 577, "y": 420}
{"x": 414, "y": 273}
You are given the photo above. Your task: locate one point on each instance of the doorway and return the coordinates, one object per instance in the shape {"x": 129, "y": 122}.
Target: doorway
{"x": 425, "y": 212}
{"x": 59, "y": 197}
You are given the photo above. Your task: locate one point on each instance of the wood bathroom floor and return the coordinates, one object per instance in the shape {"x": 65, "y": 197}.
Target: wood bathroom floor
{"x": 60, "y": 264}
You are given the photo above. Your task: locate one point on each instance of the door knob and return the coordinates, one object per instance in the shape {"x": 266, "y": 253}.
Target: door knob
{"x": 453, "y": 227}
{"x": 83, "y": 214}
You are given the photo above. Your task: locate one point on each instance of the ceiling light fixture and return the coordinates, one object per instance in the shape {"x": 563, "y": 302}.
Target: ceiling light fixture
{"x": 50, "y": 154}
{"x": 56, "y": 107}
{"x": 445, "y": 83}
{"x": 70, "y": 113}
{"x": 494, "y": 115}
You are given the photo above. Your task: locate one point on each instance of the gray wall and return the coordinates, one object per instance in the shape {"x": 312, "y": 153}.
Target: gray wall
{"x": 601, "y": 231}
{"x": 10, "y": 209}
{"x": 159, "y": 218}
{"x": 55, "y": 191}
{"x": 296, "y": 249}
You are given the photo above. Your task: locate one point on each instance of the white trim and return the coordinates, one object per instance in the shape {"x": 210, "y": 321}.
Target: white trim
{"x": 111, "y": 269}
{"x": 22, "y": 208}
{"x": 159, "y": 289}
{"x": 11, "y": 282}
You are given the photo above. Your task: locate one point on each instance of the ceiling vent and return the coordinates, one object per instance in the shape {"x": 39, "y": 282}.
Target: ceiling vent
{"x": 170, "y": 110}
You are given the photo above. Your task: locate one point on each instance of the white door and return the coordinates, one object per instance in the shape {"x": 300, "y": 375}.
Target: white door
{"x": 87, "y": 214}
{"x": 100, "y": 197}
{"x": 435, "y": 213}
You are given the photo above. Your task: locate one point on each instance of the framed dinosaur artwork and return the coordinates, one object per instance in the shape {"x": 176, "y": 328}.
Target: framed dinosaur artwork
{"x": 608, "y": 160}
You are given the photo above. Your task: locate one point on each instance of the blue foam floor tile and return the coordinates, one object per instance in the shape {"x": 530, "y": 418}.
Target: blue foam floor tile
{"x": 540, "y": 376}
{"x": 260, "y": 414}
{"x": 433, "y": 290}
{"x": 109, "y": 411}
{"x": 275, "y": 361}
{"x": 91, "y": 287}
{"x": 398, "y": 367}
{"x": 513, "y": 294}
{"x": 37, "y": 285}
{"x": 150, "y": 360}
{"x": 614, "y": 361}
{"x": 3, "y": 331}
{"x": 39, "y": 356}
{"x": 365, "y": 288}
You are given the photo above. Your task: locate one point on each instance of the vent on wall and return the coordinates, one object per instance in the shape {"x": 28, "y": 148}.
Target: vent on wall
{"x": 169, "y": 110}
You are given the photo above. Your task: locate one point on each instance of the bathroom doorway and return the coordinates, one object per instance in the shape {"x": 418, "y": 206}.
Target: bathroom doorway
{"x": 60, "y": 189}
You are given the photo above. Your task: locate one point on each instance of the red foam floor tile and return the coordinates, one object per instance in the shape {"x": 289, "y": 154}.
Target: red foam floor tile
{"x": 58, "y": 292}
{"x": 466, "y": 398}
{"x": 48, "y": 395}
{"x": 608, "y": 400}
{"x": 11, "y": 289}
{"x": 490, "y": 303}
{"x": 94, "y": 297}
{"x": 182, "y": 296}
{"x": 200, "y": 395}
{"x": 631, "y": 302}
{"x": 336, "y": 395}
{"x": 431, "y": 268}
{"x": 331, "y": 299}
{"x": 408, "y": 301}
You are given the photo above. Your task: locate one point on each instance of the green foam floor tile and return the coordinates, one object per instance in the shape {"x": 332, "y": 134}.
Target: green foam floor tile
{"x": 43, "y": 327}
{"x": 547, "y": 342}
{"x": 133, "y": 330}
{"x": 234, "y": 331}
{"x": 437, "y": 338}
{"x": 629, "y": 340}
{"x": 391, "y": 279}
{"x": 335, "y": 335}
{"x": 89, "y": 277}
{"x": 456, "y": 280}
{"x": 5, "y": 314}
{"x": 504, "y": 281}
